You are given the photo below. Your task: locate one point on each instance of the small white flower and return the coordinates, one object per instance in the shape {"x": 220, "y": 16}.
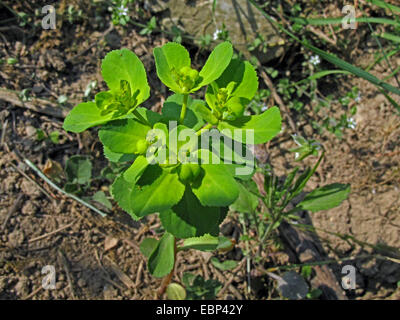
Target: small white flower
{"x": 264, "y": 107}
{"x": 358, "y": 98}
{"x": 315, "y": 60}
{"x": 351, "y": 123}
{"x": 123, "y": 11}
{"x": 216, "y": 33}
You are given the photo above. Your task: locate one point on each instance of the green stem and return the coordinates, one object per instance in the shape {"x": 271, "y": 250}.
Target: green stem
{"x": 268, "y": 231}
{"x": 206, "y": 127}
{"x": 184, "y": 107}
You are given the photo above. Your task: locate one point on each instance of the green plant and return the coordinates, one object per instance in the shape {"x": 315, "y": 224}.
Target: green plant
{"x": 120, "y": 11}
{"x": 176, "y": 172}
{"x": 280, "y": 192}
{"x": 199, "y": 289}
{"x": 300, "y": 21}
{"x": 151, "y": 25}
{"x": 78, "y": 171}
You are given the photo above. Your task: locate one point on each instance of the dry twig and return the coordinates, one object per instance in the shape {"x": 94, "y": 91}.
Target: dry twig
{"x": 37, "y": 105}
{"x": 51, "y": 233}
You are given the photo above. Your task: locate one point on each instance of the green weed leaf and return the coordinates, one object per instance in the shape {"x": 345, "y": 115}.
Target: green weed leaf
{"x": 117, "y": 157}
{"x": 176, "y": 292}
{"x": 171, "y": 58}
{"x": 123, "y": 136}
{"x": 326, "y": 197}
{"x": 266, "y": 125}
{"x": 190, "y": 219}
{"x": 147, "y": 246}
{"x": 161, "y": 260}
{"x": 78, "y": 169}
{"x": 157, "y": 190}
{"x": 203, "y": 243}
{"x": 101, "y": 197}
{"x": 225, "y": 265}
{"x": 125, "y": 65}
{"x": 123, "y": 185}
{"x": 247, "y": 202}
{"x": 85, "y": 115}
{"x": 216, "y": 64}
{"x": 217, "y": 187}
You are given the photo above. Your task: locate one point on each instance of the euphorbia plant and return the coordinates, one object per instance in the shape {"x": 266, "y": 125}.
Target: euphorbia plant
{"x": 175, "y": 172}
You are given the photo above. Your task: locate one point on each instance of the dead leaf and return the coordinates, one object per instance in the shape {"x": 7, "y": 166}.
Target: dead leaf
{"x": 53, "y": 170}
{"x": 110, "y": 243}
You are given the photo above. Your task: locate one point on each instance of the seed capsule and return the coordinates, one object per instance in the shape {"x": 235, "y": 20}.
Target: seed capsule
{"x": 141, "y": 146}
{"x": 193, "y": 74}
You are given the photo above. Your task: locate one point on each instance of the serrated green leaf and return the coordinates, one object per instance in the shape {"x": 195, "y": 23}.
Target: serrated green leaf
{"x": 326, "y": 197}
{"x": 123, "y": 185}
{"x": 171, "y": 56}
{"x": 83, "y": 116}
{"x": 247, "y": 202}
{"x": 215, "y": 65}
{"x": 135, "y": 171}
{"x": 234, "y": 154}
{"x": 117, "y": 157}
{"x": 161, "y": 260}
{"x": 125, "y": 65}
{"x": 150, "y": 116}
{"x": 266, "y": 125}
{"x": 225, "y": 265}
{"x": 122, "y": 136}
{"x": 156, "y": 191}
{"x": 190, "y": 219}
{"x": 243, "y": 74}
{"x": 101, "y": 197}
{"x": 207, "y": 242}
{"x": 216, "y": 187}
{"x": 147, "y": 246}
{"x": 121, "y": 191}
{"x": 199, "y": 289}
{"x": 203, "y": 243}
{"x": 78, "y": 169}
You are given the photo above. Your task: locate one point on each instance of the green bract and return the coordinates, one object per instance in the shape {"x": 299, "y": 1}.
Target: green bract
{"x": 178, "y": 168}
{"x": 126, "y": 78}
{"x": 174, "y": 67}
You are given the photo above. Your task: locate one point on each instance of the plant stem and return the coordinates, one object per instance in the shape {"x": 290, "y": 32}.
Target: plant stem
{"x": 268, "y": 231}
{"x": 184, "y": 107}
{"x": 206, "y": 127}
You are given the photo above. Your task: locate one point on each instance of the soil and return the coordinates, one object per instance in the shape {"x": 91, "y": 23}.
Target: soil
{"x": 99, "y": 258}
